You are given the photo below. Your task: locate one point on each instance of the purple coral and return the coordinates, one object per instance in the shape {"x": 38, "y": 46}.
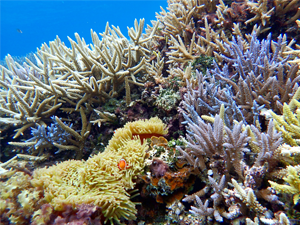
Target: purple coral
{"x": 158, "y": 168}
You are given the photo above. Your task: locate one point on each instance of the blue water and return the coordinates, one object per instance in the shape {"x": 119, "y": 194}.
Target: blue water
{"x": 41, "y": 21}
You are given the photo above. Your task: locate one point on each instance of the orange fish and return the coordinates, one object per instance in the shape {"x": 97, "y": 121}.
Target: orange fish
{"x": 123, "y": 165}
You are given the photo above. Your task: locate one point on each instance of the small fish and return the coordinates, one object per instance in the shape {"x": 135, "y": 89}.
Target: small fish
{"x": 19, "y": 31}
{"x": 123, "y": 165}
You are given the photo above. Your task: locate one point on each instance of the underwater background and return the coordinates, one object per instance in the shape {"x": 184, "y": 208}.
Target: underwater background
{"x": 187, "y": 114}
{"x": 41, "y": 21}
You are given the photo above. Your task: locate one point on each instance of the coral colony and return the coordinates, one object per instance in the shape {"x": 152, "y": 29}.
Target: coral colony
{"x": 195, "y": 121}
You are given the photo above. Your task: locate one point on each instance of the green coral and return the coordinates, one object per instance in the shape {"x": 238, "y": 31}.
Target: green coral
{"x": 203, "y": 63}
{"x": 167, "y": 99}
{"x": 293, "y": 180}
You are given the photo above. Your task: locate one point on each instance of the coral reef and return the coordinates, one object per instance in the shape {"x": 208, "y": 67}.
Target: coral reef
{"x": 223, "y": 76}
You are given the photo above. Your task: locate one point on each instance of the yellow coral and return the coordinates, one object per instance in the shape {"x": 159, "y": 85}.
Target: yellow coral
{"x": 18, "y": 199}
{"x": 26, "y": 199}
{"x": 293, "y": 178}
{"x": 98, "y": 180}
{"x": 289, "y": 123}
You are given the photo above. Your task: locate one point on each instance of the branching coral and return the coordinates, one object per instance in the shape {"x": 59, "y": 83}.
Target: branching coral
{"x": 248, "y": 197}
{"x": 69, "y": 78}
{"x": 257, "y": 79}
{"x": 292, "y": 178}
{"x": 59, "y": 135}
{"x": 260, "y": 9}
{"x": 268, "y": 144}
{"x": 207, "y": 141}
{"x": 289, "y": 123}
{"x": 220, "y": 151}
{"x": 182, "y": 16}
{"x": 260, "y": 75}
{"x": 46, "y": 136}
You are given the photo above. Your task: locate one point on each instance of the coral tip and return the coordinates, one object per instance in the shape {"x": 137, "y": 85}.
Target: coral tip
{"x": 123, "y": 165}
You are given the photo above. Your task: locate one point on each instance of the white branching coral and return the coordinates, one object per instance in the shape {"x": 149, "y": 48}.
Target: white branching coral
{"x": 69, "y": 78}
{"x": 235, "y": 143}
{"x": 248, "y": 197}
{"x": 219, "y": 152}
{"x": 261, "y": 11}
{"x": 202, "y": 209}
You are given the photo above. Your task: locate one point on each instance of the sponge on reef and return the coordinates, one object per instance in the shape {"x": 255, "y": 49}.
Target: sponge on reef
{"x": 98, "y": 180}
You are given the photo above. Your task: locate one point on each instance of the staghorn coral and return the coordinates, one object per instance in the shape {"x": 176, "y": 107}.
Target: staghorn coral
{"x": 54, "y": 134}
{"x": 207, "y": 141}
{"x": 182, "y": 16}
{"x": 215, "y": 151}
{"x": 259, "y": 75}
{"x": 260, "y": 9}
{"x": 202, "y": 210}
{"x": 66, "y": 79}
{"x": 253, "y": 79}
{"x": 206, "y": 95}
{"x": 275, "y": 14}
{"x": 248, "y": 197}
{"x": 268, "y": 144}
{"x": 62, "y": 140}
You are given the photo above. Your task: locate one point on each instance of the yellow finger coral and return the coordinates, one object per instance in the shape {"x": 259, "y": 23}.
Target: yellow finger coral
{"x": 289, "y": 122}
{"x": 293, "y": 179}
{"x": 99, "y": 180}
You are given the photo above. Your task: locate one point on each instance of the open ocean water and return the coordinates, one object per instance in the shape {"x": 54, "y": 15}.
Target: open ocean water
{"x": 25, "y": 25}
